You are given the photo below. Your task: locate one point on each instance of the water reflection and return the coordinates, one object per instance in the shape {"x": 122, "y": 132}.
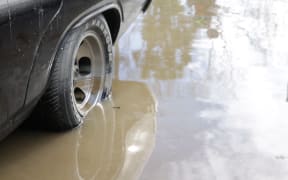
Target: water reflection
{"x": 219, "y": 70}
{"x": 162, "y": 43}
{"x": 114, "y": 142}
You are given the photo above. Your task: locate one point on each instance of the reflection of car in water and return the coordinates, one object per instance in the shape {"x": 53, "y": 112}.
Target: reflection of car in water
{"x": 115, "y": 142}
{"x": 59, "y": 51}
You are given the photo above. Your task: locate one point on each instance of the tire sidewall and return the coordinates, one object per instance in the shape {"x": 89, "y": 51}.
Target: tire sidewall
{"x": 67, "y": 55}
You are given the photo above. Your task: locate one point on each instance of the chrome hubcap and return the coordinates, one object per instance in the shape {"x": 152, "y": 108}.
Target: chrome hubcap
{"x": 88, "y": 73}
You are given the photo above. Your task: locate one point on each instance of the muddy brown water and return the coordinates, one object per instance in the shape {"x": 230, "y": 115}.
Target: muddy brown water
{"x": 200, "y": 93}
{"x": 116, "y": 139}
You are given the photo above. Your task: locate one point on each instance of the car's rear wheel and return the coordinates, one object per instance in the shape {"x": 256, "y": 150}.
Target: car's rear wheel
{"x": 81, "y": 75}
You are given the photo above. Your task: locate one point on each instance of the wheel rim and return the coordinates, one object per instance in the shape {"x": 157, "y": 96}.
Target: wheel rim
{"x": 88, "y": 73}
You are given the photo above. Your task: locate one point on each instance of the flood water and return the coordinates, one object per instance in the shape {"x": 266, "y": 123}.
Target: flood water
{"x": 116, "y": 139}
{"x": 200, "y": 93}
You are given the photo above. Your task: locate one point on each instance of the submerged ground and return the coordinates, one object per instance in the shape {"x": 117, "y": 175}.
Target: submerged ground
{"x": 200, "y": 93}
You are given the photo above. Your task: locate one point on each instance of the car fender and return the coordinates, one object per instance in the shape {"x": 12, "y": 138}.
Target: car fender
{"x": 63, "y": 22}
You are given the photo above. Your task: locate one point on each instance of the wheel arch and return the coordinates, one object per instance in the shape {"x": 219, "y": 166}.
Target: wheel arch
{"x": 113, "y": 19}
{"x": 50, "y": 43}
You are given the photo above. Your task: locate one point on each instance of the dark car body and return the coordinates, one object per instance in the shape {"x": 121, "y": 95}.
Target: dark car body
{"x": 30, "y": 34}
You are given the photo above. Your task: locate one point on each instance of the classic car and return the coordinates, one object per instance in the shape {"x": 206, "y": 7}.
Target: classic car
{"x": 57, "y": 56}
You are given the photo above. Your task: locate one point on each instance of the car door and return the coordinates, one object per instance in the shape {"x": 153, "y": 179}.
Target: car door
{"x": 21, "y": 25}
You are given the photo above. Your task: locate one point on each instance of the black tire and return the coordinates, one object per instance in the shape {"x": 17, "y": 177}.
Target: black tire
{"x": 62, "y": 104}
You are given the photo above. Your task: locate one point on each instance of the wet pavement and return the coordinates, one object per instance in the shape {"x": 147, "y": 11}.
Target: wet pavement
{"x": 115, "y": 141}
{"x": 200, "y": 93}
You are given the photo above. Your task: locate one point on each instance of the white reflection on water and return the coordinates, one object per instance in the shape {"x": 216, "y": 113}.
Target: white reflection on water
{"x": 221, "y": 79}
{"x": 112, "y": 144}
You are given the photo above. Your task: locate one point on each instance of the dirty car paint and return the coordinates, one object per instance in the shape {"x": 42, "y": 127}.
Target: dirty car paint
{"x": 219, "y": 72}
